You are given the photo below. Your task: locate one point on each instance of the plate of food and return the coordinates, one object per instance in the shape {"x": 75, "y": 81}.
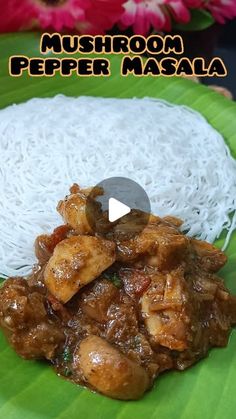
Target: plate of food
{"x": 125, "y": 317}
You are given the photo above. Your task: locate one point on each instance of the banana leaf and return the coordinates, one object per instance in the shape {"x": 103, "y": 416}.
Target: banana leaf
{"x": 31, "y": 390}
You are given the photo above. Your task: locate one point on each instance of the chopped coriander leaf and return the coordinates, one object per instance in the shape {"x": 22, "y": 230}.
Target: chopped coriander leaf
{"x": 114, "y": 278}
{"x": 137, "y": 339}
{"x": 67, "y": 372}
{"x": 66, "y": 355}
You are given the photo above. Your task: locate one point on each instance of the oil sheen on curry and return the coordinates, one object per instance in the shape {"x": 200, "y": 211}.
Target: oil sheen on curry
{"x": 112, "y": 313}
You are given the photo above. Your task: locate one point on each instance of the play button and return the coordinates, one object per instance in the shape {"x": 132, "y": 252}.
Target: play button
{"x": 117, "y": 210}
{"x": 122, "y": 208}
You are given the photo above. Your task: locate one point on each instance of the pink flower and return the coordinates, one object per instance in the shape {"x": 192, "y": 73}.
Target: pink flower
{"x": 90, "y": 16}
{"x": 221, "y": 10}
{"x": 193, "y": 4}
{"x": 144, "y": 14}
{"x": 97, "y": 16}
{"x": 54, "y": 14}
{"x": 101, "y": 16}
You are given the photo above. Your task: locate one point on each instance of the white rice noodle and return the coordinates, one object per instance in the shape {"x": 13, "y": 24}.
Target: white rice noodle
{"x": 47, "y": 144}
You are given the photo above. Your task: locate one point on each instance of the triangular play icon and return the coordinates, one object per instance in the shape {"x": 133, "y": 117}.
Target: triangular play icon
{"x": 117, "y": 210}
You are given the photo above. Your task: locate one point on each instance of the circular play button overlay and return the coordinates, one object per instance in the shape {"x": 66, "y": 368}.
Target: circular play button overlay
{"x": 118, "y": 208}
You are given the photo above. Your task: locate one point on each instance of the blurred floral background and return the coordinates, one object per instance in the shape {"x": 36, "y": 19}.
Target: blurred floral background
{"x": 200, "y": 22}
{"x": 98, "y": 16}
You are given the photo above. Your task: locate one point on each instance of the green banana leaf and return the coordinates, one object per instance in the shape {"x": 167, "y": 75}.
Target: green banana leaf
{"x": 31, "y": 390}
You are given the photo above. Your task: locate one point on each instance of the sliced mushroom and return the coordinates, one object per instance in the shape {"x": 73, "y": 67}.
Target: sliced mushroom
{"x": 109, "y": 371}
{"x": 75, "y": 262}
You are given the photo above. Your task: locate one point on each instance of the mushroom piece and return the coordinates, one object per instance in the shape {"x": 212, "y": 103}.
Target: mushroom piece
{"x": 109, "y": 371}
{"x": 79, "y": 208}
{"x": 75, "y": 262}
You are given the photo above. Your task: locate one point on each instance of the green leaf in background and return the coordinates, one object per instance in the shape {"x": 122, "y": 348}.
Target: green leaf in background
{"x": 200, "y": 19}
{"x": 31, "y": 390}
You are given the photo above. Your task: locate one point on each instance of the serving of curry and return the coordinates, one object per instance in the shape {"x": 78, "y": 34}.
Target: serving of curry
{"x": 112, "y": 313}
